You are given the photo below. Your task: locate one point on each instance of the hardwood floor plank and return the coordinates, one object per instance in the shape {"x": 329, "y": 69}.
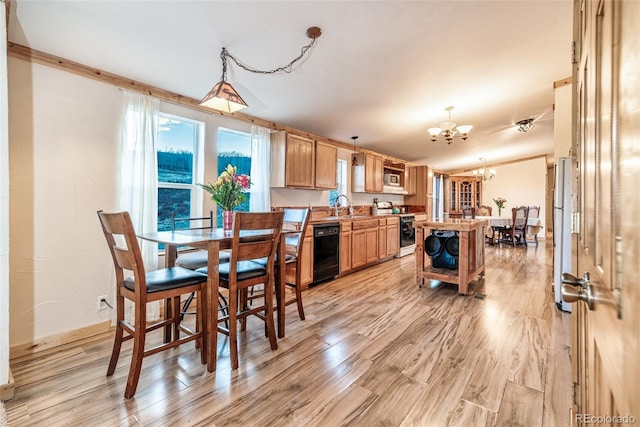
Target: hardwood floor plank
{"x": 375, "y": 349}
{"x": 520, "y": 407}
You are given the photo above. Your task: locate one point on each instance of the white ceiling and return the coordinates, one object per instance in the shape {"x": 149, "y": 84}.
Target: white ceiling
{"x": 382, "y": 70}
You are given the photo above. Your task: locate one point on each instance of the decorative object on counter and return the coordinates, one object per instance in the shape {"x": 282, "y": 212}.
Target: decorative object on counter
{"x": 228, "y": 192}
{"x": 449, "y": 129}
{"x": 500, "y": 202}
{"x": 225, "y": 98}
{"x": 484, "y": 173}
{"x": 525, "y": 125}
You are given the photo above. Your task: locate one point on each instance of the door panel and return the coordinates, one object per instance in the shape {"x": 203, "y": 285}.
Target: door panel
{"x": 605, "y": 345}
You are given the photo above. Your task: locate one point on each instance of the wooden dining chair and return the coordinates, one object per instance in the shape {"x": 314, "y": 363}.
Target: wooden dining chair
{"x": 167, "y": 284}
{"x": 242, "y": 272}
{"x": 468, "y": 212}
{"x": 516, "y": 234}
{"x": 483, "y": 210}
{"x": 194, "y": 259}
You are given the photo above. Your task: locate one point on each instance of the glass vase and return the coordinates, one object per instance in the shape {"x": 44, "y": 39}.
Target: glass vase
{"x": 227, "y": 222}
{"x": 499, "y": 211}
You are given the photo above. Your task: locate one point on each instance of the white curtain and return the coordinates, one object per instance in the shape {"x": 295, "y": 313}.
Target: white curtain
{"x": 260, "y": 200}
{"x": 138, "y": 175}
{"x": 4, "y": 203}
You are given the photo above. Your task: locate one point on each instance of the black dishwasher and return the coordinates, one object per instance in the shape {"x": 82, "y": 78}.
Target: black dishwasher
{"x": 326, "y": 251}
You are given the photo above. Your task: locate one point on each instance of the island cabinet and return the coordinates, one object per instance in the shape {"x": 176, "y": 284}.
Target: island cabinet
{"x": 299, "y": 162}
{"x": 345, "y": 246}
{"x": 470, "y": 263}
{"x": 366, "y": 176}
{"x": 364, "y": 242}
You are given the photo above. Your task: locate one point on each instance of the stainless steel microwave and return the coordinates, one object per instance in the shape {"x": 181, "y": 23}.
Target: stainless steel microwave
{"x": 392, "y": 179}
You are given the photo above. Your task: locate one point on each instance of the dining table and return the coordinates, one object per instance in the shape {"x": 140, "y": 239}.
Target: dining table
{"x": 534, "y": 225}
{"x": 214, "y": 240}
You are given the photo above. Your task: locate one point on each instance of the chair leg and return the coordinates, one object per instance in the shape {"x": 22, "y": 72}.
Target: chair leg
{"x": 233, "y": 328}
{"x": 167, "y": 315}
{"x": 299, "y": 301}
{"x": 138, "y": 352}
{"x": 186, "y": 305}
{"x": 270, "y": 324}
{"x": 176, "y": 318}
{"x": 117, "y": 340}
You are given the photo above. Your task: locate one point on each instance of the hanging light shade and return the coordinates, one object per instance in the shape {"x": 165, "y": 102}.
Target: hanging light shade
{"x": 483, "y": 173}
{"x": 449, "y": 129}
{"x": 224, "y": 97}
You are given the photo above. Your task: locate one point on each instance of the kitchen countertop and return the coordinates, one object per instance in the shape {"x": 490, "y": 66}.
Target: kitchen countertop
{"x": 355, "y": 217}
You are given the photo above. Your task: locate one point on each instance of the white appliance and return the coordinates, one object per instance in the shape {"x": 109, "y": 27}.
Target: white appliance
{"x": 563, "y": 198}
{"x": 391, "y": 179}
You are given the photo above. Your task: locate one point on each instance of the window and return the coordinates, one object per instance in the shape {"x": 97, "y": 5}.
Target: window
{"x": 234, "y": 148}
{"x": 342, "y": 182}
{"x": 179, "y": 151}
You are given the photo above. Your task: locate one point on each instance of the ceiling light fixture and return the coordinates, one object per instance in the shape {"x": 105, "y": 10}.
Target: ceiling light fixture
{"x": 449, "y": 129}
{"x": 525, "y": 125}
{"x": 484, "y": 173}
{"x": 224, "y": 97}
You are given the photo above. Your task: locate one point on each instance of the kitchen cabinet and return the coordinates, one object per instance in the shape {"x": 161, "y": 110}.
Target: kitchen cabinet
{"x": 421, "y": 183}
{"x": 366, "y": 174}
{"x": 345, "y": 246}
{"x": 392, "y": 236}
{"x": 326, "y": 174}
{"x": 364, "y": 242}
{"x": 306, "y": 258}
{"x": 462, "y": 191}
{"x": 299, "y": 162}
{"x": 410, "y": 181}
{"x": 382, "y": 238}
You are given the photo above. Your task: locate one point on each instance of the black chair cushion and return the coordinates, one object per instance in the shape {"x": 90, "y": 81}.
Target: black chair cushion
{"x": 263, "y": 261}
{"x": 246, "y": 270}
{"x": 168, "y": 278}
{"x": 198, "y": 259}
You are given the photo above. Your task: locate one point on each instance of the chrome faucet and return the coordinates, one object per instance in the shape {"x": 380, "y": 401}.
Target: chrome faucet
{"x": 338, "y": 209}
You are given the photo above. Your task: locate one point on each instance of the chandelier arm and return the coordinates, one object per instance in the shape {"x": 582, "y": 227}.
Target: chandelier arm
{"x": 286, "y": 68}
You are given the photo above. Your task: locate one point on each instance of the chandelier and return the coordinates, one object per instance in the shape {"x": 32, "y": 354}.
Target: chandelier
{"x": 525, "y": 125}
{"x": 449, "y": 129}
{"x": 483, "y": 173}
{"x": 224, "y": 97}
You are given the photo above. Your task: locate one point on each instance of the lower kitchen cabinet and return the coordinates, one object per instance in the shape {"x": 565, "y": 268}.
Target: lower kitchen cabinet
{"x": 345, "y": 247}
{"x": 372, "y": 245}
{"x": 306, "y": 258}
{"x": 358, "y": 248}
{"x": 392, "y": 236}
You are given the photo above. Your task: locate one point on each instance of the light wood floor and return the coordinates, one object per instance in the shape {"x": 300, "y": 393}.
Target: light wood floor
{"x": 375, "y": 350}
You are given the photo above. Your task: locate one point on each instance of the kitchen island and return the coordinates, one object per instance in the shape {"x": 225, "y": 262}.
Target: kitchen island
{"x": 471, "y": 234}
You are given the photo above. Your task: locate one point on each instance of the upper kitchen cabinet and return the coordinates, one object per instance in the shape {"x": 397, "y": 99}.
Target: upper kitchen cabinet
{"x": 299, "y": 162}
{"x": 326, "y": 166}
{"x": 420, "y": 187}
{"x": 366, "y": 174}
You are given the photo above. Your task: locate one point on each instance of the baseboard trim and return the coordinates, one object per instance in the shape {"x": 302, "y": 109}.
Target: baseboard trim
{"x": 58, "y": 339}
{"x": 7, "y": 391}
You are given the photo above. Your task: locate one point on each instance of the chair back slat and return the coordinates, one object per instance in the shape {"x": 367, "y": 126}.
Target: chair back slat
{"x": 295, "y": 219}
{"x": 263, "y": 245}
{"x": 197, "y": 223}
{"x": 117, "y": 226}
{"x": 534, "y": 211}
{"x": 483, "y": 210}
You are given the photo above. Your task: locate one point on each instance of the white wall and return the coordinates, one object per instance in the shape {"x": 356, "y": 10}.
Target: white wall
{"x": 64, "y": 134}
{"x": 521, "y": 183}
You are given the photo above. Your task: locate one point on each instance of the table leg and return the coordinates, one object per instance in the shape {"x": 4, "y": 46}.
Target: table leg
{"x": 170, "y": 255}
{"x": 419, "y": 254}
{"x": 210, "y": 307}
{"x": 280, "y": 286}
